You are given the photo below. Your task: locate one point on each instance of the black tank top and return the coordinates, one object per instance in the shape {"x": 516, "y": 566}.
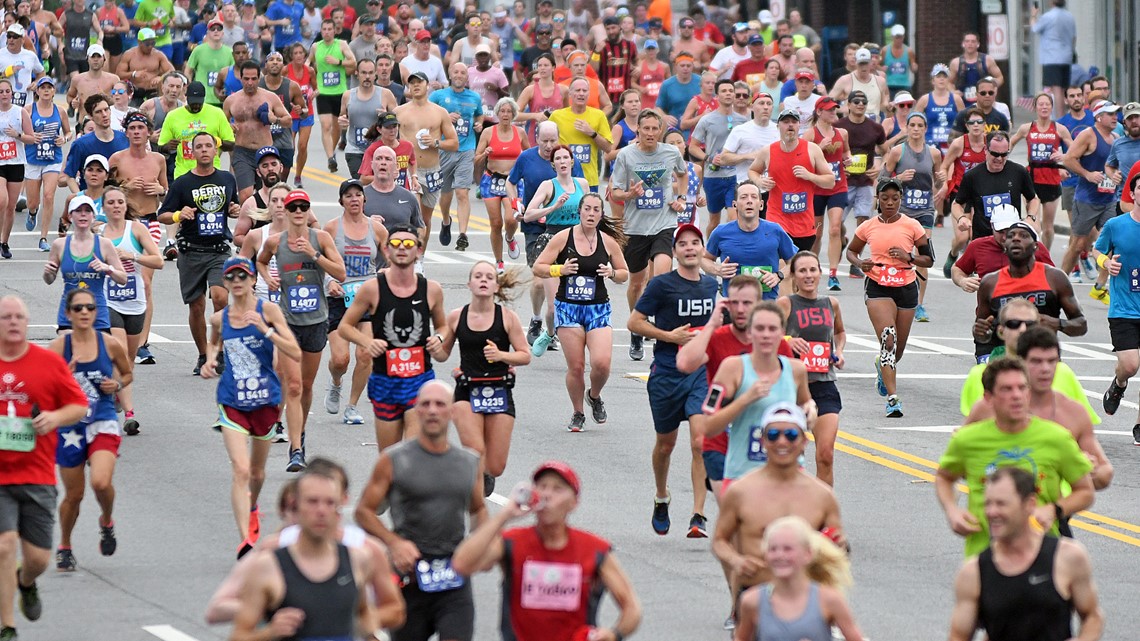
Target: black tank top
{"x": 260, "y": 203}
{"x": 585, "y": 287}
{"x": 329, "y": 606}
{"x": 471, "y": 344}
{"x": 1025, "y": 607}
{"x": 403, "y": 323}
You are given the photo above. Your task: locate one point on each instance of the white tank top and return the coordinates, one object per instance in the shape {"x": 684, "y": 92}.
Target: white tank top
{"x": 874, "y": 96}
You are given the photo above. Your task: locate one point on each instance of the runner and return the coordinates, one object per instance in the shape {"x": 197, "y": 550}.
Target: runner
{"x": 334, "y": 63}
{"x": 986, "y": 92}
{"x": 391, "y": 201}
{"x": 93, "y": 81}
{"x": 253, "y": 111}
{"x": 867, "y": 140}
{"x": 584, "y": 130}
{"x": 834, "y": 142}
{"x": 1076, "y": 119}
{"x": 558, "y": 605}
{"x": 44, "y": 157}
{"x": 500, "y": 147}
{"x": 1046, "y": 141}
{"x": 290, "y": 95}
{"x": 210, "y": 60}
{"x": 102, "y": 369}
{"x": 650, "y": 73}
{"x": 226, "y": 81}
{"x": 84, "y": 261}
{"x": 962, "y": 154}
{"x": 749, "y": 245}
{"x": 678, "y": 90}
{"x": 745, "y": 141}
{"x": 25, "y": 65}
{"x": 432, "y": 129}
{"x": 1094, "y": 200}
{"x": 865, "y": 82}
{"x": 987, "y": 255}
{"x": 157, "y": 108}
{"x": 304, "y": 257}
{"x": 465, "y": 109}
{"x": 433, "y": 487}
{"x": 971, "y": 67}
{"x": 690, "y": 186}
{"x": 614, "y": 59}
{"x": 15, "y": 126}
{"x": 245, "y": 331}
{"x": 144, "y": 65}
{"x": 891, "y": 292}
{"x": 996, "y": 182}
{"x": 300, "y": 72}
{"x": 940, "y": 106}
{"x": 541, "y": 97}
{"x": 582, "y": 306}
{"x": 255, "y": 211}
{"x": 359, "y": 111}
{"x": 183, "y": 124}
{"x": 706, "y": 143}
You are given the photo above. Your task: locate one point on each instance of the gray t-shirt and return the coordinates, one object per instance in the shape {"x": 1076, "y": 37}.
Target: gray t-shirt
{"x": 712, "y": 130}
{"x": 398, "y": 207}
{"x": 649, "y": 213}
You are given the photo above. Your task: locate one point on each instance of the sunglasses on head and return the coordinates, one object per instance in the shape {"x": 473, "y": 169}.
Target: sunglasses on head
{"x": 791, "y": 433}
{"x": 79, "y": 307}
{"x": 237, "y": 275}
{"x": 1016, "y": 324}
{"x": 975, "y": 122}
{"x": 406, "y": 243}
{"x": 998, "y": 154}
{"x": 297, "y": 207}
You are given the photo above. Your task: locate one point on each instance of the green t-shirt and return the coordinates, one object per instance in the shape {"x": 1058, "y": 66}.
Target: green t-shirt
{"x": 1064, "y": 381}
{"x": 162, "y": 11}
{"x": 206, "y": 63}
{"x": 181, "y": 125}
{"x": 1044, "y": 448}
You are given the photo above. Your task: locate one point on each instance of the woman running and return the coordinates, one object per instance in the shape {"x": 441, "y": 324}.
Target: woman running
{"x": 895, "y": 124}
{"x": 818, "y": 338}
{"x": 121, "y": 95}
{"x": 804, "y": 599}
{"x": 890, "y": 288}
{"x": 917, "y": 165}
{"x": 694, "y": 195}
{"x": 303, "y": 118}
{"x": 386, "y": 133}
{"x": 1046, "y": 140}
{"x": 84, "y": 261}
{"x": 940, "y": 106}
{"x": 15, "y": 126}
{"x": 556, "y": 201}
{"x": 492, "y": 343}
{"x": 702, "y": 103}
{"x": 540, "y": 97}
{"x": 649, "y": 74}
{"x": 114, "y": 23}
{"x": 45, "y": 157}
{"x": 255, "y": 242}
{"x": 963, "y": 154}
{"x": 102, "y": 369}
{"x": 136, "y": 248}
{"x": 832, "y": 202}
{"x": 250, "y": 331}
{"x": 95, "y": 172}
{"x": 499, "y": 147}
{"x": 582, "y": 257}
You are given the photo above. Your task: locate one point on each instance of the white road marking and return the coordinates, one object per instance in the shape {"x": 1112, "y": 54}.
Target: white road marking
{"x": 168, "y": 633}
{"x": 940, "y": 429}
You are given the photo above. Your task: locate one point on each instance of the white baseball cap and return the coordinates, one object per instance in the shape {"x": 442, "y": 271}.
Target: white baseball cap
{"x": 16, "y": 28}
{"x": 96, "y": 50}
{"x": 898, "y": 30}
{"x": 863, "y": 55}
{"x": 1003, "y": 217}
{"x": 80, "y": 200}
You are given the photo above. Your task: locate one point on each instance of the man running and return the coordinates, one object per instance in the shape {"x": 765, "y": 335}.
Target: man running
{"x": 255, "y": 209}
{"x": 104, "y": 141}
{"x": 585, "y": 130}
{"x": 1094, "y": 200}
{"x": 144, "y": 66}
{"x": 749, "y": 245}
{"x": 290, "y": 95}
{"x": 972, "y": 66}
{"x": 334, "y": 63}
{"x": 614, "y": 59}
{"x": 707, "y": 141}
{"x": 865, "y": 82}
{"x": 253, "y": 111}
{"x": 465, "y": 109}
{"x": 867, "y": 140}
{"x": 430, "y": 127}
{"x": 94, "y": 80}
{"x": 986, "y": 92}
{"x": 387, "y": 198}
{"x": 209, "y": 59}
{"x": 360, "y": 108}
{"x": 986, "y": 187}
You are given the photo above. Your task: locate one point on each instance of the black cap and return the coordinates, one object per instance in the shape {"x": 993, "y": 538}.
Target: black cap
{"x": 858, "y": 93}
{"x": 388, "y": 118}
{"x": 196, "y": 93}
{"x": 349, "y": 184}
{"x": 889, "y": 182}
{"x": 418, "y": 75}
{"x": 611, "y": 20}
{"x": 655, "y": 23}
{"x": 209, "y": 8}
{"x": 367, "y": 20}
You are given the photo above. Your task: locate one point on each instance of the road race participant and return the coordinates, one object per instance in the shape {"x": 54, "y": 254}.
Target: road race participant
{"x": 808, "y": 569}
{"x": 401, "y": 345}
{"x": 867, "y": 140}
{"x": 691, "y": 184}
{"x": 818, "y": 338}
{"x": 492, "y": 344}
{"x": 961, "y": 155}
{"x": 777, "y": 489}
{"x": 49, "y": 397}
{"x": 584, "y": 130}
{"x": 679, "y": 302}
{"x": 1025, "y": 585}
{"x": 833, "y": 141}
{"x": 334, "y": 62}
{"x": 746, "y": 140}
{"x": 157, "y": 108}
{"x": 431, "y": 128}
{"x": 1045, "y": 141}
{"x": 303, "y": 116}
{"x": 542, "y": 96}
{"x": 916, "y": 164}
{"x": 93, "y": 81}
{"x": 305, "y": 256}
{"x": 391, "y": 201}
{"x": 865, "y": 82}
{"x": 561, "y": 603}
{"x": 678, "y": 90}
{"x": 293, "y": 98}
{"x": 433, "y": 487}
{"x": 44, "y": 157}
{"x": 245, "y": 330}
{"x": 1076, "y": 119}
{"x": 102, "y": 369}
{"x": 898, "y": 244}
{"x": 84, "y": 261}
{"x": 940, "y": 106}
{"x": 184, "y": 123}
{"x": 614, "y": 59}
{"x": 255, "y": 212}
{"x": 708, "y": 139}
{"x": 581, "y": 257}
{"x": 199, "y": 202}
{"x": 1094, "y": 200}
{"x": 985, "y": 187}
{"x": 971, "y": 67}
{"x": 464, "y": 107}
{"x": 226, "y": 81}
{"x": 987, "y": 96}
{"x": 987, "y": 255}
{"x": 360, "y": 108}
{"x": 15, "y": 132}
{"x": 209, "y": 60}
{"x": 386, "y": 133}
{"x": 749, "y": 245}
{"x": 22, "y": 66}
{"x": 253, "y": 111}
{"x": 650, "y": 73}
{"x": 144, "y": 66}
{"x": 500, "y": 147}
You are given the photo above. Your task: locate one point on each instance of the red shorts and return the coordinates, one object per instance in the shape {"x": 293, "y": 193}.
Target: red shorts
{"x": 257, "y": 423}
{"x": 105, "y": 442}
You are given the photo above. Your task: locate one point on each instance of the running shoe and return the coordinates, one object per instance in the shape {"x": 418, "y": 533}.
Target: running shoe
{"x": 533, "y": 332}
{"x": 30, "y": 223}
{"x": 279, "y": 433}
{"x": 5, "y": 251}
{"x": 143, "y": 356}
{"x": 445, "y": 234}
{"x": 332, "y": 164}
{"x": 538, "y": 348}
{"x": 920, "y": 315}
{"x": 500, "y": 268}
{"x": 636, "y": 347}
{"x": 1099, "y": 293}
{"x": 30, "y": 604}
{"x": 856, "y": 272}
{"x": 297, "y": 182}
{"x": 597, "y": 408}
{"x": 8, "y": 634}
{"x": 833, "y": 283}
{"x": 45, "y": 246}
{"x": 661, "y": 516}
{"x": 950, "y": 259}
{"x": 107, "y": 541}
{"x": 462, "y": 243}
{"x": 254, "y": 524}
{"x": 1136, "y": 434}
{"x": 352, "y": 416}
{"x": 65, "y": 560}
{"x": 245, "y": 548}
{"x": 1088, "y": 268}
{"x": 131, "y": 426}
{"x": 555, "y": 344}
{"x": 21, "y": 204}
{"x": 332, "y": 399}
{"x": 879, "y": 384}
{"x": 1075, "y": 275}
{"x": 698, "y": 527}
{"x": 198, "y": 367}
{"x": 296, "y": 461}
{"x": 894, "y": 407}
{"x": 1111, "y": 399}
{"x": 512, "y": 247}
{"x": 170, "y": 252}
{"x": 730, "y": 622}
{"x": 577, "y": 422}
{"x": 488, "y": 484}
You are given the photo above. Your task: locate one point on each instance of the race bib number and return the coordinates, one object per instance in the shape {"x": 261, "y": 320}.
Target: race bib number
{"x": 462, "y": 127}
{"x": 940, "y": 134}
{"x": 970, "y": 94}
{"x": 304, "y": 299}
{"x": 19, "y": 98}
{"x": 499, "y": 185}
{"x": 685, "y": 216}
{"x": 211, "y": 78}
{"x": 891, "y": 277}
{"x": 897, "y": 68}
{"x": 275, "y": 130}
{"x": 1040, "y": 152}
{"x": 1134, "y": 280}
{"x": 360, "y": 137}
{"x": 990, "y": 203}
{"x": 652, "y": 199}
{"x": 289, "y": 29}
{"x": 551, "y": 586}
{"x": 17, "y": 434}
{"x": 405, "y": 362}
{"x": 45, "y": 151}
{"x": 437, "y": 576}
{"x": 78, "y": 44}
{"x": 8, "y": 150}
{"x": 757, "y": 272}
{"x": 252, "y": 391}
{"x": 275, "y": 296}
{"x": 330, "y": 78}
{"x": 858, "y": 164}
{"x": 794, "y": 202}
{"x": 818, "y": 357}
{"x": 653, "y": 89}
{"x": 916, "y": 199}
{"x": 488, "y": 399}
{"x": 433, "y": 181}
{"x": 120, "y": 293}
{"x": 1106, "y": 186}
{"x": 350, "y": 290}
{"x": 615, "y": 85}
{"x": 835, "y": 169}
{"x": 582, "y": 153}
{"x": 211, "y": 224}
{"x": 756, "y": 452}
{"x": 581, "y": 288}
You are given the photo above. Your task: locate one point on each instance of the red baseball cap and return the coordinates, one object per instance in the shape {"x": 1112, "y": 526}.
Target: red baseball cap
{"x": 687, "y": 227}
{"x": 297, "y": 195}
{"x": 423, "y": 34}
{"x": 825, "y": 103}
{"x": 561, "y": 469}
{"x": 804, "y": 74}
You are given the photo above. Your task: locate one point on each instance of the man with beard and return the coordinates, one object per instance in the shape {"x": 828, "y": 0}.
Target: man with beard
{"x": 94, "y": 80}
{"x": 255, "y": 209}
{"x": 725, "y": 61}
{"x": 614, "y": 60}
{"x": 253, "y": 111}
{"x": 290, "y": 95}
{"x": 359, "y": 109}
{"x": 430, "y": 127}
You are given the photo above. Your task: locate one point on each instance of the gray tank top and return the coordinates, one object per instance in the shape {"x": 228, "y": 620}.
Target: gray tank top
{"x": 814, "y": 321}
{"x": 282, "y": 137}
{"x": 302, "y": 283}
{"x": 361, "y": 117}
{"x": 917, "y": 194}
{"x": 809, "y": 626}
{"x": 360, "y": 254}
{"x": 431, "y": 495}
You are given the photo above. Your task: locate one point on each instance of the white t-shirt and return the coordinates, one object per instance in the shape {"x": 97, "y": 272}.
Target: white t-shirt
{"x": 25, "y": 65}
{"x": 726, "y": 57}
{"x": 806, "y": 108}
{"x": 433, "y": 67}
{"x": 747, "y": 138}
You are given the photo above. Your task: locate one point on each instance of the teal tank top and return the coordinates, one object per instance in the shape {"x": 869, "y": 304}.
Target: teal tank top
{"x": 567, "y": 214}
{"x": 744, "y": 441}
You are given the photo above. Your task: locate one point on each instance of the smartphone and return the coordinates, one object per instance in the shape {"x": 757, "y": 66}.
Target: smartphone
{"x": 726, "y": 316}
{"x": 714, "y": 399}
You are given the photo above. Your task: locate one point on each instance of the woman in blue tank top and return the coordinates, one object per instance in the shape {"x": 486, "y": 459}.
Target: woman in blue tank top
{"x": 250, "y": 330}
{"x": 807, "y": 569}
{"x": 101, "y": 368}
{"x": 84, "y": 260}
{"x": 44, "y": 158}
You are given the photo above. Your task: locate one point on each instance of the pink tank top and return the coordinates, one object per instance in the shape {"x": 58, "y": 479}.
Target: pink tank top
{"x": 538, "y": 103}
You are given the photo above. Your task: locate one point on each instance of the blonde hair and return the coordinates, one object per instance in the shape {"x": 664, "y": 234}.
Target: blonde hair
{"x": 508, "y": 280}
{"x": 829, "y": 565}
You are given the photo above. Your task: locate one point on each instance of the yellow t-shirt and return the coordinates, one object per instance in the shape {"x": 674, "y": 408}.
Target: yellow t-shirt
{"x": 1064, "y": 381}
{"x": 583, "y": 147}
{"x": 181, "y": 125}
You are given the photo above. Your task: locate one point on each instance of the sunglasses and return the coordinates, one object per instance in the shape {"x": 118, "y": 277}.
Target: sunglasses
{"x": 216, "y": 28}
{"x": 544, "y": 32}
{"x": 987, "y": 93}
{"x": 79, "y": 307}
{"x": 118, "y": 92}
{"x": 406, "y": 243}
{"x": 905, "y": 105}
{"x": 773, "y": 434}
{"x": 297, "y": 207}
{"x": 744, "y": 95}
{"x": 560, "y": 20}
{"x": 857, "y": 102}
{"x": 975, "y": 122}
{"x": 1016, "y": 324}
{"x": 238, "y": 275}
{"x": 998, "y": 154}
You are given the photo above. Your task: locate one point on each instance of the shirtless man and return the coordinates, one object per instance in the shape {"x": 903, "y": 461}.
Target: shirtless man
{"x": 144, "y": 67}
{"x": 91, "y": 82}
{"x": 686, "y": 43}
{"x": 429, "y": 125}
{"x": 786, "y": 491}
{"x": 46, "y": 18}
{"x": 253, "y": 110}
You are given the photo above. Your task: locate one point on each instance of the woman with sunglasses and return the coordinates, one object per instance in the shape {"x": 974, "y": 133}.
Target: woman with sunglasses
{"x": 895, "y": 126}
{"x": 581, "y": 258}
{"x": 84, "y": 261}
{"x": 500, "y": 146}
{"x": 44, "y": 157}
{"x": 963, "y": 154}
{"x": 136, "y": 249}
{"x": 121, "y": 95}
{"x": 694, "y": 195}
{"x": 541, "y": 96}
{"x": 102, "y": 369}
{"x": 890, "y": 288}
{"x": 1046, "y": 141}
{"x": 252, "y": 332}
{"x": 386, "y": 133}
{"x": 15, "y": 127}
{"x": 941, "y": 107}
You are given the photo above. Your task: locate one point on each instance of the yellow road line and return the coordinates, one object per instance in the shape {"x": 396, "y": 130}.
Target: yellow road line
{"x": 312, "y": 175}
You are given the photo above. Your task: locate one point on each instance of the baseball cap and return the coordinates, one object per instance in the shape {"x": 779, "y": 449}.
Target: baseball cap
{"x": 238, "y": 263}
{"x": 863, "y": 55}
{"x": 423, "y": 34}
{"x": 146, "y": 33}
{"x": 16, "y": 29}
{"x": 367, "y": 20}
{"x": 1003, "y": 216}
{"x": 687, "y": 227}
{"x": 563, "y": 470}
{"x": 901, "y": 97}
{"x": 195, "y": 93}
{"x": 80, "y": 200}
{"x": 889, "y": 182}
{"x": 784, "y": 412}
{"x": 621, "y": 12}
{"x": 266, "y": 151}
{"x": 611, "y": 21}
{"x": 215, "y": 21}
{"x": 898, "y": 30}
{"x": 805, "y": 74}
{"x": 418, "y": 75}
{"x": 940, "y": 68}
{"x": 858, "y": 93}
{"x": 655, "y": 23}
{"x": 1131, "y": 109}
{"x": 756, "y": 39}
{"x": 483, "y": 48}
{"x": 1021, "y": 224}
{"x": 389, "y": 119}
{"x": 825, "y": 103}
{"x": 499, "y": 14}
{"x": 765, "y": 16}
{"x": 650, "y": 43}
{"x": 45, "y": 80}
{"x": 99, "y": 158}
{"x": 788, "y": 113}
{"x": 686, "y": 22}
{"x": 297, "y": 195}
{"x": 739, "y": 27}
{"x": 96, "y": 50}
{"x": 249, "y": 2}
{"x": 349, "y": 184}
{"x": 1105, "y": 107}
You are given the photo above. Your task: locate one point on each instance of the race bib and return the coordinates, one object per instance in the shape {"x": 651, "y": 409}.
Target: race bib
{"x": 275, "y": 130}
{"x": 211, "y": 78}
{"x": 19, "y": 98}
{"x": 289, "y": 29}
{"x": 350, "y": 290}
{"x": 17, "y": 434}
{"x": 405, "y": 362}
{"x": 433, "y": 181}
{"x": 1040, "y": 152}
{"x": 360, "y": 137}
{"x": 499, "y": 185}
{"x": 304, "y": 299}
{"x": 891, "y": 277}
{"x": 78, "y": 44}
{"x": 756, "y": 451}
{"x": 652, "y": 199}
{"x": 551, "y": 586}
{"x": 653, "y": 89}
{"x": 8, "y": 150}
{"x": 818, "y": 357}
{"x": 211, "y": 224}
{"x": 462, "y": 127}
{"x": 990, "y": 203}
{"x": 1134, "y": 280}
{"x": 685, "y": 216}
{"x": 858, "y": 164}
{"x": 437, "y": 576}
{"x": 916, "y": 199}
{"x": 45, "y": 151}
{"x": 330, "y": 78}
{"x": 1106, "y": 186}
{"x": 835, "y": 169}
{"x": 252, "y": 391}
{"x": 757, "y": 272}
{"x": 940, "y": 134}
{"x": 581, "y": 288}
{"x": 615, "y": 85}
{"x": 187, "y": 150}
{"x": 275, "y": 296}
{"x": 897, "y": 68}
{"x": 582, "y": 153}
{"x": 120, "y": 293}
{"x": 970, "y": 94}
{"x": 794, "y": 202}
{"x": 488, "y": 399}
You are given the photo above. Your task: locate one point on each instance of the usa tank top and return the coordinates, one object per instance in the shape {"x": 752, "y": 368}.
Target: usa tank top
{"x": 249, "y": 380}
{"x": 77, "y": 273}
{"x": 129, "y": 299}
{"x": 585, "y": 287}
{"x": 813, "y": 320}
{"x": 745, "y": 448}
{"x": 89, "y": 375}
{"x": 361, "y": 258}
{"x": 692, "y": 189}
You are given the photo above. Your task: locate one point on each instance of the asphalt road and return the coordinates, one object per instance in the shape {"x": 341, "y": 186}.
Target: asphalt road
{"x": 177, "y": 538}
